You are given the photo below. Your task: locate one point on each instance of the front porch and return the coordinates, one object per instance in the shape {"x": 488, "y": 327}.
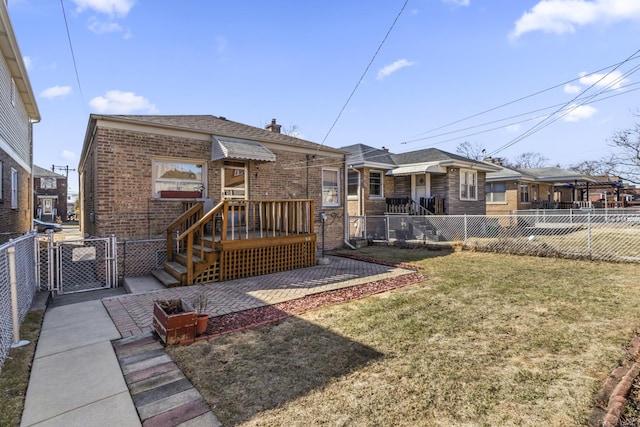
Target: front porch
{"x": 408, "y": 206}
{"x": 239, "y": 238}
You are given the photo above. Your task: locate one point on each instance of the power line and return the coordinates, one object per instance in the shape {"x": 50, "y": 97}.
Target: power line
{"x": 73, "y": 57}
{"x": 548, "y": 120}
{"x": 364, "y": 73}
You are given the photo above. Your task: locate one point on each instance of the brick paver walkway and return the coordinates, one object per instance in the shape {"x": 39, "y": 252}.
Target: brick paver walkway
{"x": 133, "y": 313}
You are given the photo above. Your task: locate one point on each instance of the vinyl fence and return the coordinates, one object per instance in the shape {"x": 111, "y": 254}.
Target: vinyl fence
{"x": 598, "y": 236}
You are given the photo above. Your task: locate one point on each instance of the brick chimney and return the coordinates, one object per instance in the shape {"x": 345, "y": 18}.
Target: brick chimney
{"x": 495, "y": 161}
{"x": 273, "y": 127}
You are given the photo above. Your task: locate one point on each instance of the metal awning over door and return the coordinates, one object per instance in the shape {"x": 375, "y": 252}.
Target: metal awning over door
{"x": 234, "y": 148}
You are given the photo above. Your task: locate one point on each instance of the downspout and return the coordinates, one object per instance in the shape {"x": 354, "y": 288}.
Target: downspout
{"x": 345, "y": 213}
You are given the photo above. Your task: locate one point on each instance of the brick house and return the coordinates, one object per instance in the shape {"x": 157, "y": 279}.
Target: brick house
{"x": 18, "y": 112}
{"x": 50, "y": 193}
{"x": 138, "y": 172}
{"x": 509, "y": 190}
{"x": 415, "y": 182}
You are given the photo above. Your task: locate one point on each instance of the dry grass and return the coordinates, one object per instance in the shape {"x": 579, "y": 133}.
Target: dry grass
{"x": 14, "y": 377}
{"x": 488, "y": 339}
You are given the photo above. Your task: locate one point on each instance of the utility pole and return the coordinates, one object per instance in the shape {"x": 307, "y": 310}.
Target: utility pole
{"x": 63, "y": 168}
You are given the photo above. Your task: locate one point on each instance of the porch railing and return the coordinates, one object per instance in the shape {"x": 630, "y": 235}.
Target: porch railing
{"x": 197, "y": 234}
{"x": 408, "y": 206}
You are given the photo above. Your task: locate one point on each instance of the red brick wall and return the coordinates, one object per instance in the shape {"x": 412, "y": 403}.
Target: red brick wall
{"x": 15, "y": 220}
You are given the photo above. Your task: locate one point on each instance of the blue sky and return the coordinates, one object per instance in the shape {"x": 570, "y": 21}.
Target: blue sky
{"x": 554, "y": 77}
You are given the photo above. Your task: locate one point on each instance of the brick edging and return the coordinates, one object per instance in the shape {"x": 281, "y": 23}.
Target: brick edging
{"x": 616, "y": 389}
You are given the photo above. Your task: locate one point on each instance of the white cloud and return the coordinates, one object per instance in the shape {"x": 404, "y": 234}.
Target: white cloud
{"x": 572, "y": 89}
{"x": 108, "y": 7}
{"x": 102, "y": 27}
{"x": 576, "y": 113}
{"x": 612, "y": 80}
{"x": 118, "y": 102}
{"x": 392, "y": 68}
{"x": 68, "y": 155}
{"x": 513, "y": 128}
{"x": 563, "y": 16}
{"x": 55, "y": 92}
{"x": 458, "y": 2}
{"x": 27, "y": 62}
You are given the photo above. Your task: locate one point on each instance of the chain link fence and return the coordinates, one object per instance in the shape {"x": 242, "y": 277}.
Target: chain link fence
{"x": 18, "y": 264}
{"x": 140, "y": 257}
{"x": 597, "y": 236}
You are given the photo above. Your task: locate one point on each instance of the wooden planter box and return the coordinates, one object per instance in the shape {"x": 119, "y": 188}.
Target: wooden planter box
{"x": 180, "y": 194}
{"x": 175, "y": 327}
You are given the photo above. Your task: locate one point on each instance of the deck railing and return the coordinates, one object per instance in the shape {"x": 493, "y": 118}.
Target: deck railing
{"x": 197, "y": 234}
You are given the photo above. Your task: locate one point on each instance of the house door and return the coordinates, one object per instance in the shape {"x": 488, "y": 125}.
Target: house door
{"x": 234, "y": 182}
{"x": 420, "y": 187}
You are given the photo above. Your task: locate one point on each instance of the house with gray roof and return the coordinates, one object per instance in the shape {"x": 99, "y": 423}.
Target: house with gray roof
{"x": 509, "y": 190}
{"x": 428, "y": 181}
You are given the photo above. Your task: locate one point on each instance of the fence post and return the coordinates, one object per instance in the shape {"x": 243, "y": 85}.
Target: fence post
{"x": 465, "y": 228}
{"x": 589, "y": 233}
{"x": 11, "y": 252}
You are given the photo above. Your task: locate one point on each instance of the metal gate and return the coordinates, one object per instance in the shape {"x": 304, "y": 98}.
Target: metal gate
{"x": 82, "y": 265}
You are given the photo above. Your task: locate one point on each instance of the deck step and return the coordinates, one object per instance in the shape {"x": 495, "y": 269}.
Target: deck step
{"x": 165, "y": 278}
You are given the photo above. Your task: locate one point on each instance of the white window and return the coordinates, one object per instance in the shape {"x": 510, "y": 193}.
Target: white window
{"x": 353, "y": 184}
{"x": 14, "y": 189}
{"x": 524, "y": 193}
{"x": 330, "y": 187}
{"x": 496, "y": 192}
{"x": 48, "y": 183}
{"x": 173, "y": 177}
{"x": 234, "y": 184}
{"x": 468, "y": 185}
{"x": 375, "y": 184}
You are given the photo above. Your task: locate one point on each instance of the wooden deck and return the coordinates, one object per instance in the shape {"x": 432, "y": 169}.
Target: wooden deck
{"x": 240, "y": 238}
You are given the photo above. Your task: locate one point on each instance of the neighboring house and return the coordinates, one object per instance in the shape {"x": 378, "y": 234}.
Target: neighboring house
{"x": 139, "y": 173}
{"x": 50, "y": 192}
{"x": 429, "y": 181}
{"x": 18, "y": 111}
{"x": 509, "y": 190}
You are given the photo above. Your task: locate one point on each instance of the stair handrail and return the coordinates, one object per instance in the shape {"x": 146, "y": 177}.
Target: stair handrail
{"x": 181, "y": 223}
{"x": 189, "y": 234}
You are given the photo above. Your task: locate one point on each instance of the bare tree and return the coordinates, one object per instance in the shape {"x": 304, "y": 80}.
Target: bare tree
{"x": 471, "y": 150}
{"x": 626, "y": 155}
{"x": 604, "y": 167}
{"x": 527, "y": 160}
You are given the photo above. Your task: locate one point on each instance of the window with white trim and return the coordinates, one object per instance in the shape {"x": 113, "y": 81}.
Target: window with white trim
{"x": 524, "y": 193}
{"x": 330, "y": 187}
{"x": 496, "y": 192}
{"x": 14, "y": 189}
{"x": 468, "y": 185}
{"x": 48, "y": 183}
{"x": 375, "y": 184}
{"x": 353, "y": 183}
{"x": 177, "y": 176}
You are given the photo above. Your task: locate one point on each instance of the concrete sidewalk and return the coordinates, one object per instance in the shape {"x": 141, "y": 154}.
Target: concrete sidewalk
{"x": 76, "y": 378}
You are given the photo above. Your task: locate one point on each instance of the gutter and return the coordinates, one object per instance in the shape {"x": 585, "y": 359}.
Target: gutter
{"x": 345, "y": 213}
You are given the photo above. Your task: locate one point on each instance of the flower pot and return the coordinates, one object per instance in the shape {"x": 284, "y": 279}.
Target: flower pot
{"x": 174, "y": 321}
{"x": 201, "y": 323}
